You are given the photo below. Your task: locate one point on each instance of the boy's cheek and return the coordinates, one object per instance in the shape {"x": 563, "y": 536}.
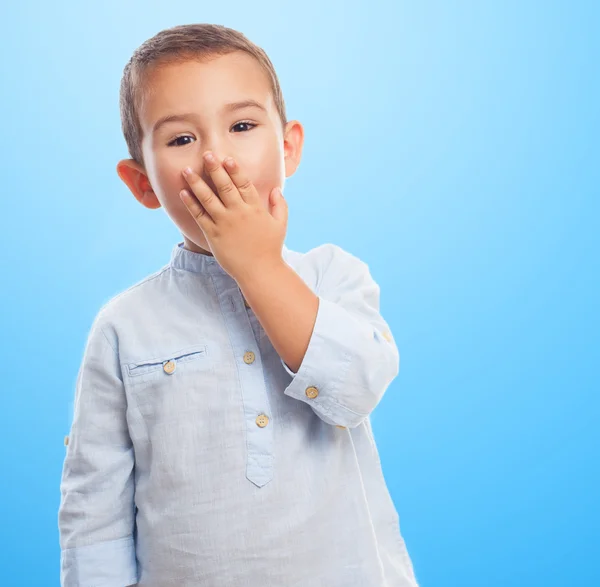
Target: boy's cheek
{"x": 266, "y": 179}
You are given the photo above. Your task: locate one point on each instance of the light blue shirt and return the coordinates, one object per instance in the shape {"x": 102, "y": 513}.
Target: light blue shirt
{"x": 196, "y": 457}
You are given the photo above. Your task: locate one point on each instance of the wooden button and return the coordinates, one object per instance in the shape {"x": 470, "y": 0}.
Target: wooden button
{"x": 249, "y": 357}
{"x": 312, "y": 392}
{"x": 338, "y": 426}
{"x": 66, "y": 440}
{"x": 169, "y": 367}
{"x": 387, "y": 336}
{"x": 262, "y": 420}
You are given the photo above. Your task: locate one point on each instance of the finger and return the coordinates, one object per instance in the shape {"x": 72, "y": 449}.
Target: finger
{"x": 227, "y": 190}
{"x": 203, "y": 220}
{"x": 245, "y": 187}
{"x": 207, "y": 198}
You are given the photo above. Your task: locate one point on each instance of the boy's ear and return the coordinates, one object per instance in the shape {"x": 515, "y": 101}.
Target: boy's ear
{"x": 293, "y": 142}
{"x": 135, "y": 178}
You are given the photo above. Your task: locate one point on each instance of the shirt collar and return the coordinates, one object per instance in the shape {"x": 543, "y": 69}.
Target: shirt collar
{"x": 187, "y": 260}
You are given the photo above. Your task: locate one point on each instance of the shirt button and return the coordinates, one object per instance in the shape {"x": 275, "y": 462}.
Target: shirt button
{"x": 312, "y": 392}
{"x": 387, "y": 336}
{"x": 169, "y": 367}
{"x": 262, "y": 420}
{"x": 66, "y": 440}
{"x": 246, "y": 303}
{"x": 249, "y": 357}
{"x": 338, "y": 426}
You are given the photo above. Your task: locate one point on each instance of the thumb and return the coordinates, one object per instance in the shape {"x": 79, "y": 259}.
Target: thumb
{"x": 279, "y": 207}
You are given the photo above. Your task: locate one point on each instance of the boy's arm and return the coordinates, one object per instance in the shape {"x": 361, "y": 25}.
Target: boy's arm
{"x": 348, "y": 356}
{"x": 96, "y": 516}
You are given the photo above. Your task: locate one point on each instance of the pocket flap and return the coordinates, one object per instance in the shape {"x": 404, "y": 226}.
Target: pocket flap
{"x": 156, "y": 363}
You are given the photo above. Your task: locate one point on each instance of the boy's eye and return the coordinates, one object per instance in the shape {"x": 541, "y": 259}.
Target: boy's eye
{"x": 245, "y": 124}
{"x": 177, "y": 141}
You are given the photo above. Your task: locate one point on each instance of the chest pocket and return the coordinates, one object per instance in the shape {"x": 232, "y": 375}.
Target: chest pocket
{"x": 165, "y": 387}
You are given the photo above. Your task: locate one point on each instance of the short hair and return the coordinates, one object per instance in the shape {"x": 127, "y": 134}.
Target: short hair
{"x": 176, "y": 45}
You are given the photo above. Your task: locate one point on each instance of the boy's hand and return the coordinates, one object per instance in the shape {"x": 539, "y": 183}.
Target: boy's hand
{"x": 243, "y": 236}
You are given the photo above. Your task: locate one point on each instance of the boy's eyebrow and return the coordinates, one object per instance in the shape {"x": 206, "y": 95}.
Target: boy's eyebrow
{"x": 231, "y": 107}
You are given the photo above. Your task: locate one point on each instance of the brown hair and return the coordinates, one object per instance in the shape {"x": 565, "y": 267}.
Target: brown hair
{"x": 178, "y": 44}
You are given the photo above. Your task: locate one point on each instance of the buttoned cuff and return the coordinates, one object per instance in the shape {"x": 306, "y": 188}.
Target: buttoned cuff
{"x": 336, "y": 340}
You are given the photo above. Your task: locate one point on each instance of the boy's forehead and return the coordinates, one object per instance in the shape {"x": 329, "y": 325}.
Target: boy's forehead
{"x": 208, "y": 84}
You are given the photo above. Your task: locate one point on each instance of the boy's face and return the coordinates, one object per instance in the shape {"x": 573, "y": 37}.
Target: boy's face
{"x": 252, "y": 136}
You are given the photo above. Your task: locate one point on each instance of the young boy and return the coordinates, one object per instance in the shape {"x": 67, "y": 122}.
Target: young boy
{"x": 221, "y": 432}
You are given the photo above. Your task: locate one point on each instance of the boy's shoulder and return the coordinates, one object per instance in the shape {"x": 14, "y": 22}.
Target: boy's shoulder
{"x": 134, "y": 298}
{"x": 324, "y": 256}
{"x": 151, "y": 291}
{"x": 327, "y": 262}
{"x": 321, "y": 255}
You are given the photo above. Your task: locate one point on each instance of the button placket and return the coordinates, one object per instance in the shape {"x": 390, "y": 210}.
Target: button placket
{"x": 259, "y": 434}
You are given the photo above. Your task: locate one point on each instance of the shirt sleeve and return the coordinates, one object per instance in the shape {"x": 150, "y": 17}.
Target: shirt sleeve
{"x": 351, "y": 357}
{"x": 96, "y": 516}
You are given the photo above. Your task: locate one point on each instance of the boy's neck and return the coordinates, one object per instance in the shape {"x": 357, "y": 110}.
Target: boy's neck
{"x": 191, "y": 246}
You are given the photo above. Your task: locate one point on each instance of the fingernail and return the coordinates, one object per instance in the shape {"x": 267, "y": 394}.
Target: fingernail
{"x": 187, "y": 170}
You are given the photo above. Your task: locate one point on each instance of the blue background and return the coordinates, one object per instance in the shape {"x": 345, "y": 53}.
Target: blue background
{"x": 453, "y": 146}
